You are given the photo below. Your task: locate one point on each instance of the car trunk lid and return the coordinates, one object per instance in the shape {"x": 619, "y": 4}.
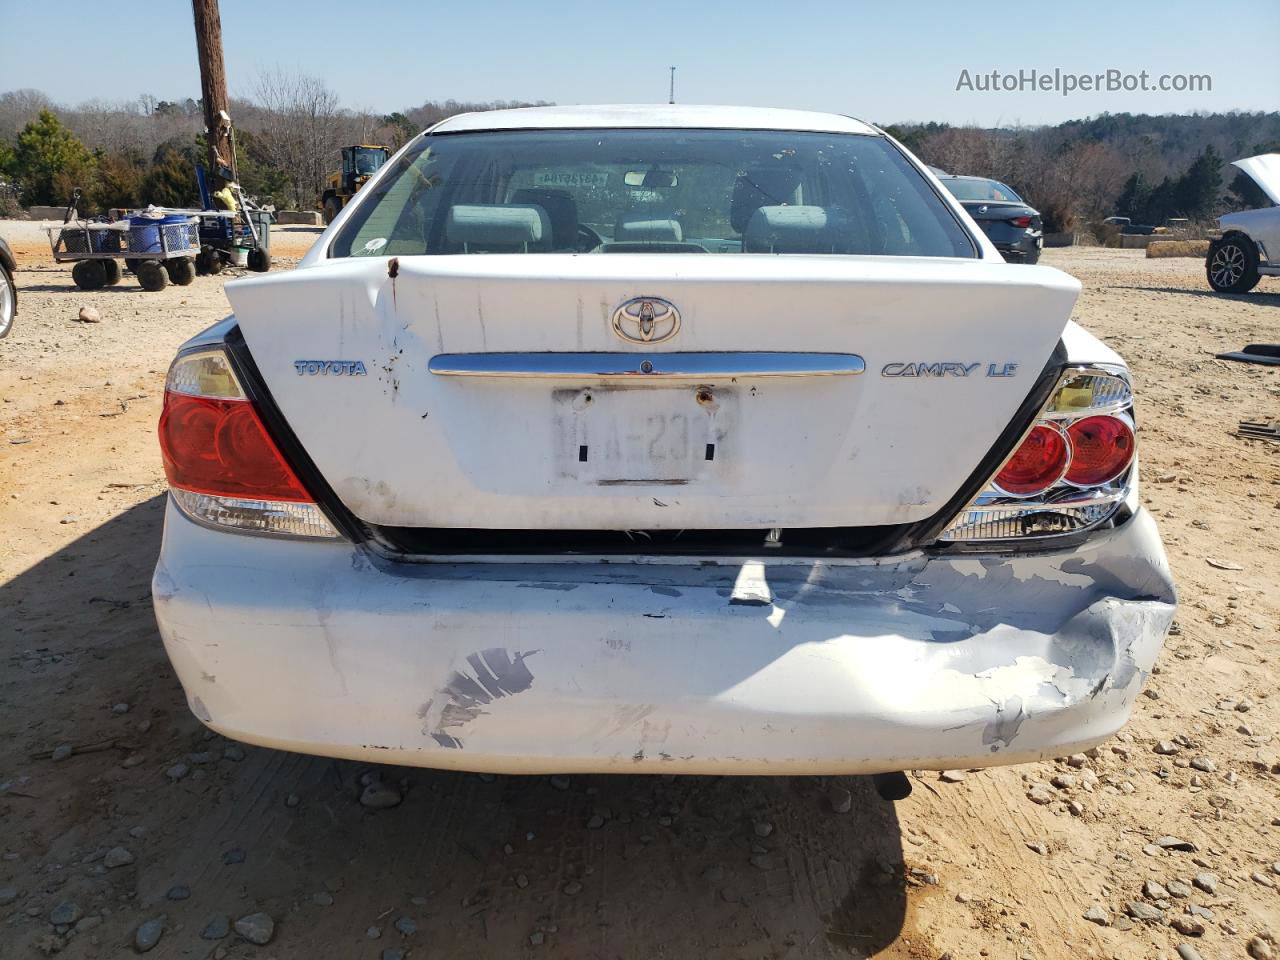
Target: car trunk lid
{"x": 361, "y": 357}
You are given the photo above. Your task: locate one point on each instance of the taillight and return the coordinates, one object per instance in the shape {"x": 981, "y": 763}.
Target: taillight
{"x": 1021, "y": 221}
{"x": 223, "y": 466}
{"x": 1101, "y": 448}
{"x": 217, "y": 446}
{"x": 1071, "y": 471}
{"x": 1038, "y": 463}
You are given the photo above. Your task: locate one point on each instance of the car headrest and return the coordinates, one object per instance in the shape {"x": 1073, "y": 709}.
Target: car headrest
{"x": 498, "y": 226}
{"x": 759, "y": 187}
{"x": 649, "y": 228}
{"x": 561, "y": 207}
{"x": 801, "y": 229}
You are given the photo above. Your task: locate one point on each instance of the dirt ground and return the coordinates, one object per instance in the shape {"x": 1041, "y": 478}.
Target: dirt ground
{"x": 616, "y": 866}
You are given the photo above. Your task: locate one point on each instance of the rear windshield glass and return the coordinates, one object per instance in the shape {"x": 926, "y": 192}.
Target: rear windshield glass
{"x": 981, "y": 190}
{"x": 663, "y": 191}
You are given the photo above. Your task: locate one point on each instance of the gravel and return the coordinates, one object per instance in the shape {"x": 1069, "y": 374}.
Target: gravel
{"x": 117, "y": 857}
{"x": 64, "y": 914}
{"x": 1143, "y": 911}
{"x": 148, "y": 934}
{"x": 1096, "y": 914}
{"x": 1187, "y": 925}
{"x": 257, "y": 928}
{"x": 1154, "y": 891}
{"x": 380, "y": 796}
{"x": 217, "y": 927}
{"x": 406, "y": 926}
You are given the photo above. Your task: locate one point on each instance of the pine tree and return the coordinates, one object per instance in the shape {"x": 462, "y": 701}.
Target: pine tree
{"x": 50, "y": 161}
{"x": 1196, "y": 192}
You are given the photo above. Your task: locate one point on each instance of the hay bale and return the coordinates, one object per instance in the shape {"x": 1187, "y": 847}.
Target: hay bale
{"x": 1178, "y": 248}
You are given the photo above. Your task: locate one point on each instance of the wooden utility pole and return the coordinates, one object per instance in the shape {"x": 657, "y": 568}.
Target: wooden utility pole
{"x": 213, "y": 92}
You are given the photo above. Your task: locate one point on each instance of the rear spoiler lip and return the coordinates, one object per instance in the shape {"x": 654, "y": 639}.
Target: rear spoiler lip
{"x": 920, "y": 535}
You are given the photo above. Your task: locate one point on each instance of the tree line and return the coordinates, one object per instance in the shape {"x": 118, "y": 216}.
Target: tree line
{"x": 1147, "y": 168}
{"x": 289, "y": 132}
{"x": 290, "y": 129}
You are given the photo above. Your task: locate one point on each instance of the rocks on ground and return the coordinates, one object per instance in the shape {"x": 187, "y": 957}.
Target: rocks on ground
{"x": 256, "y": 928}
{"x": 148, "y": 934}
{"x": 380, "y": 796}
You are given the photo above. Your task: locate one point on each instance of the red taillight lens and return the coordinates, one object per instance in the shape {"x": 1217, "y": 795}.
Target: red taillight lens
{"x": 1101, "y": 450}
{"x": 220, "y": 447}
{"x": 1021, "y": 221}
{"x": 1037, "y": 464}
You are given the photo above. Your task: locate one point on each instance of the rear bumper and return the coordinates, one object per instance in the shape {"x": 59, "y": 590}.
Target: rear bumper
{"x": 1024, "y": 250}
{"x": 523, "y": 667}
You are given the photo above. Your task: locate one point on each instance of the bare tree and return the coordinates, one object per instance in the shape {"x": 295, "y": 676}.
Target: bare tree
{"x": 20, "y": 107}
{"x": 299, "y": 128}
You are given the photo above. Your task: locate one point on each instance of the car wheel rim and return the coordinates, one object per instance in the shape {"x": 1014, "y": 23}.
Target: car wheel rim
{"x": 1227, "y": 266}
{"x": 6, "y": 304}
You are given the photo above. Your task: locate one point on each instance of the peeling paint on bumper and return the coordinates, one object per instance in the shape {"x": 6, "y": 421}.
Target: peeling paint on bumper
{"x": 525, "y": 667}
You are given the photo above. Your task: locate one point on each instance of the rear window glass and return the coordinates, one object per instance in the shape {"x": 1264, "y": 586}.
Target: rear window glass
{"x": 664, "y": 191}
{"x": 980, "y": 190}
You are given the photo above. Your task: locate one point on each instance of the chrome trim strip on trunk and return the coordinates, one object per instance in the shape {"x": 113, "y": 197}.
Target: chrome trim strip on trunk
{"x": 691, "y": 366}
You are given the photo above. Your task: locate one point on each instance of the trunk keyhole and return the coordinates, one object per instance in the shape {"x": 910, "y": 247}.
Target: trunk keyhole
{"x": 711, "y": 451}
{"x": 582, "y": 453}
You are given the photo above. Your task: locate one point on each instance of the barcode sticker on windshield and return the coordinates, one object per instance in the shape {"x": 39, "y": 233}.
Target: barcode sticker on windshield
{"x": 571, "y": 178}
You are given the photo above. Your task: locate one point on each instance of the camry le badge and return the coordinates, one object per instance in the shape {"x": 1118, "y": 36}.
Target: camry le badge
{"x": 330, "y": 368}
{"x": 646, "y": 320}
{"x": 948, "y": 369}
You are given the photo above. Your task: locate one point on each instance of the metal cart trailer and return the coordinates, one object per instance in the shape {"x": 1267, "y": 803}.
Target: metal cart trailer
{"x": 156, "y": 249}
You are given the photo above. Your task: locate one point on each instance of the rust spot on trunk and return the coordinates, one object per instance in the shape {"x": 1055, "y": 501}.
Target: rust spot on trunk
{"x": 393, "y": 267}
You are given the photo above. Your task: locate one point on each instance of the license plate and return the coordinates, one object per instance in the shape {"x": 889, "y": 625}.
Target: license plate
{"x": 642, "y": 434}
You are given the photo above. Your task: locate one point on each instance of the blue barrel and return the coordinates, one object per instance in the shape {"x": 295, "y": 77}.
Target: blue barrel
{"x": 144, "y": 232}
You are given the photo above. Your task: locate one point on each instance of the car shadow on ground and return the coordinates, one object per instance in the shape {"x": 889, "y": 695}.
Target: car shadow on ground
{"x": 464, "y": 865}
{"x": 1262, "y": 297}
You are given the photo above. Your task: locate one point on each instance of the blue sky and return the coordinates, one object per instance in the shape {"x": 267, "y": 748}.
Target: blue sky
{"x": 882, "y": 61}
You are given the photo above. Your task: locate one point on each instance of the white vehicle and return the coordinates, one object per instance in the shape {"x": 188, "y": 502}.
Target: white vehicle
{"x": 1249, "y": 248}
{"x": 657, "y": 439}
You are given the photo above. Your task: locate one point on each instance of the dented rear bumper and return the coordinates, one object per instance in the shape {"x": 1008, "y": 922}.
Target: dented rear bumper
{"x": 774, "y": 666}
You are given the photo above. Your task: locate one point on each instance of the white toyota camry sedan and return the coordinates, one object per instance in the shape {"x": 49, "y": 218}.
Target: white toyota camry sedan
{"x": 657, "y": 439}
